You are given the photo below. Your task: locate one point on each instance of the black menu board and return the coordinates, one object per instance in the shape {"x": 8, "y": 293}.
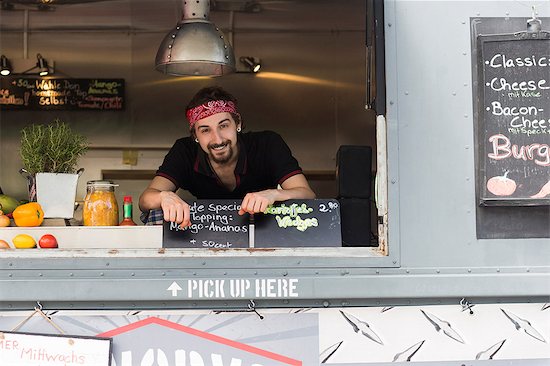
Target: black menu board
{"x": 299, "y": 223}
{"x": 18, "y": 93}
{"x": 513, "y": 129}
{"x": 216, "y": 224}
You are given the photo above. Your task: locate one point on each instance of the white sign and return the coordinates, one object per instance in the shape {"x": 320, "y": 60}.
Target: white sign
{"x": 259, "y": 288}
{"x": 28, "y": 349}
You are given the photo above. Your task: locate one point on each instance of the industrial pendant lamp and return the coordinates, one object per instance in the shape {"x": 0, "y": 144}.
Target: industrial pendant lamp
{"x": 195, "y": 47}
{"x": 5, "y": 66}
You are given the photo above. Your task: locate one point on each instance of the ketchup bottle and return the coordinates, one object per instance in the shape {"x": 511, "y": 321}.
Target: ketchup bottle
{"x": 127, "y": 209}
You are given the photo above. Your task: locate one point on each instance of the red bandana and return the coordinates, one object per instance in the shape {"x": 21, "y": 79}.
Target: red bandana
{"x": 208, "y": 109}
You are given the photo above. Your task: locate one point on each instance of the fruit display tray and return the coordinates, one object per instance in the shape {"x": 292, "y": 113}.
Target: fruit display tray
{"x": 88, "y": 237}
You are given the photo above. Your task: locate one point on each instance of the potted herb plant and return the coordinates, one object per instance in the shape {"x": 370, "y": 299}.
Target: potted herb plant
{"x": 50, "y": 154}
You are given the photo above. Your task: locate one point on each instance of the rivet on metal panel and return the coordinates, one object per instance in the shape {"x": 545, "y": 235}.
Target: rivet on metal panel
{"x": 438, "y": 271}
{"x": 285, "y": 273}
{"x": 225, "y": 273}
{"x": 326, "y": 304}
{"x": 463, "y": 22}
{"x": 465, "y": 84}
{"x": 528, "y": 270}
{"x": 498, "y": 270}
{"x": 406, "y": 93}
{"x": 299, "y": 262}
{"x": 469, "y": 270}
{"x": 203, "y": 263}
{"x": 408, "y": 271}
{"x": 194, "y": 273}
{"x": 377, "y": 271}
{"x": 102, "y": 274}
{"x": 133, "y": 305}
{"x": 71, "y": 274}
{"x": 391, "y": 102}
{"x": 10, "y": 306}
{"x": 345, "y": 303}
{"x": 132, "y": 274}
{"x": 285, "y": 301}
{"x": 163, "y": 274}
{"x": 71, "y": 305}
{"x": 393, "y": 181}
{"x": 454, "y": 93}
{"x": 40, "y": 275}
{"x": 107, "y": 264}
{"x": 10, "y": 274}
{"x": 389, "y": 24}
{"x": 10, "y": 264}
{"x": 394, "y": 262}
{"x": 464, "y": 53}
{"x": 316, "y": 272}
{"x": 256, "y": 273}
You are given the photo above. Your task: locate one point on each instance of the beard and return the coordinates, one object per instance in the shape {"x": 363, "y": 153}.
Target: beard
{"x": 221, "y": 159}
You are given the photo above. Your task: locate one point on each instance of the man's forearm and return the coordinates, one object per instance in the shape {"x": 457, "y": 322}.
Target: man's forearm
{"x": 294, "y": 193}
{"x": 150, "y": 199}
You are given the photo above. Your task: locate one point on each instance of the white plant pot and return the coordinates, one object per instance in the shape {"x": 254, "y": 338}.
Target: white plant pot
{"x": 56, "y": 193}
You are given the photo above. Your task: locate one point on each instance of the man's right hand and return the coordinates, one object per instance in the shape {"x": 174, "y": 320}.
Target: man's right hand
{"x": 160, "y": 194}
{"x": 175, "y": 209}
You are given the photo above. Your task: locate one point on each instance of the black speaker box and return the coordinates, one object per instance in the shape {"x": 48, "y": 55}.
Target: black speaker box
{"x": 353, "y": 171}
{"x": 355, "y": 214}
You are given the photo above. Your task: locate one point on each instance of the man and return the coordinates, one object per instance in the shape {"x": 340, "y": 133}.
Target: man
{"x": 219, "y": 161}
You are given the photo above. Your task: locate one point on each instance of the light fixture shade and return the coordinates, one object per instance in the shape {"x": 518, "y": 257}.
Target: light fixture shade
{"x": 195, "y": 47}
{"x": 5, "y": 66}
{"x": 42, "y": 65}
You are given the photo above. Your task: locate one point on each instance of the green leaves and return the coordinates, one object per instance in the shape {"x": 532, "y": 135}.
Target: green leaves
{"x": 51, "y": 148}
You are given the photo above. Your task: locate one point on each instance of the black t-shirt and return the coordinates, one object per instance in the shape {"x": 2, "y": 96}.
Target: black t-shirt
{"x": 264, "y": 161}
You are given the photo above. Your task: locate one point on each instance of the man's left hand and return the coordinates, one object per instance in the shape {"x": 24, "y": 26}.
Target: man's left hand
{"x": 257, "y": 201}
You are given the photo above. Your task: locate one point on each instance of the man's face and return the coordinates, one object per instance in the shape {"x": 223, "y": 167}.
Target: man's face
{"x": 217, "y": 135}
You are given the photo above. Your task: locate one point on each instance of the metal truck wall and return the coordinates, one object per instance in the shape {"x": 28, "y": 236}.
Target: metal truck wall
{"x": 302, "y": 336}
{"x": 432, "y": 202}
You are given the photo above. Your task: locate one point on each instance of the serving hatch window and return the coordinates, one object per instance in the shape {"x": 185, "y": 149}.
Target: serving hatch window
{"x": 315, "y": 81}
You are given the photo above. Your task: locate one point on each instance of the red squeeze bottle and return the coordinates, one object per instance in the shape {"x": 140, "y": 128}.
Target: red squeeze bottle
{"x": 127, "y": 210}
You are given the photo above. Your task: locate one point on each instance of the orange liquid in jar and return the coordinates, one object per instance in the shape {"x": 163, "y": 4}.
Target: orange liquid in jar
{"x": 100, "y": 209}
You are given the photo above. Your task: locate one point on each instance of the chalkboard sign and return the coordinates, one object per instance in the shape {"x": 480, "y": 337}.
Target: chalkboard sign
{"x": 214, "y": 225}
{"x": 61, "y": 94}
{"x": 294, "y": 223}
{"x": 299, "y": 223}
{"x": 514, "y": 119}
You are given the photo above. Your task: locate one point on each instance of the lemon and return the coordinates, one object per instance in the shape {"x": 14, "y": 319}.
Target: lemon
{"x": 24, "y": 241}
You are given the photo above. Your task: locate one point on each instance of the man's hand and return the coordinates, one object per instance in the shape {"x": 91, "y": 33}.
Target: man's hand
{"x": 257, "y": 201}
{"x": 175, "y": 209}
{"x": 160, "y": 194}
{"x": 295, "y": 187}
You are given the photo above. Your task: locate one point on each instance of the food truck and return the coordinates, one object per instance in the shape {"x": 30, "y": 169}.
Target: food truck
{"x": 423, "y": 126}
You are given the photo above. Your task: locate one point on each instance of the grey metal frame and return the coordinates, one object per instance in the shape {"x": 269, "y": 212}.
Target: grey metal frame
{"x": 433, "y": 257}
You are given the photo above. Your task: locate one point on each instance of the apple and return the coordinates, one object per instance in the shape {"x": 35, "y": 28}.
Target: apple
{"x": 47, "y": 241}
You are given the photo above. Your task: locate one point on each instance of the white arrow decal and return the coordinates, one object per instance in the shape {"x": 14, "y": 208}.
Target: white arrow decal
{"x": 174, "y": 287}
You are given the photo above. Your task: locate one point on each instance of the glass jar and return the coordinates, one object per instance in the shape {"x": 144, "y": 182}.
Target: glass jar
{"x": 100, "y": 205}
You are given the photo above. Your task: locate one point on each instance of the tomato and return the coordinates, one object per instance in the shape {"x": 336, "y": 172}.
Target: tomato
{"x": 24, "y": 241}
{"x": 47, "y": 241}
{"x": 4, "y": 244}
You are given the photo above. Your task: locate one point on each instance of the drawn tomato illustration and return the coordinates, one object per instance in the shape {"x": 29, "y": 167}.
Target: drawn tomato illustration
{"x": 501, "y": 185}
